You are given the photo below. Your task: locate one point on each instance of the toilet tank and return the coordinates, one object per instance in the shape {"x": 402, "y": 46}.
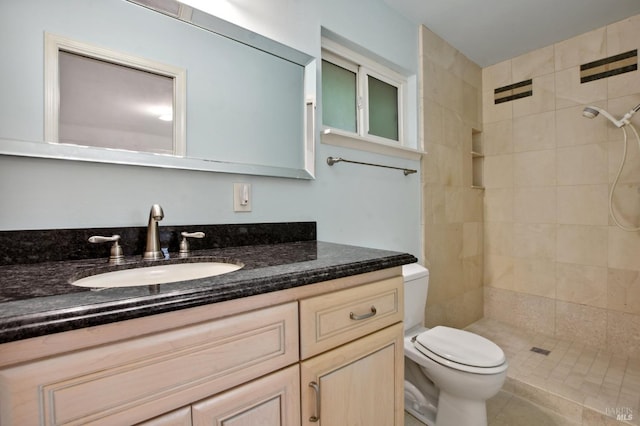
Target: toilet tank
{"x": 416, "y": 284}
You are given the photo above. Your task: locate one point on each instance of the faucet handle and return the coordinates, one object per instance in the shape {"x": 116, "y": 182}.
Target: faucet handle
{"x": 116, "y": 257}
{"x": 184, "y": 244}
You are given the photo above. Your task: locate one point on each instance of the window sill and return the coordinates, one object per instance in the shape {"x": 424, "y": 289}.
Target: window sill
{"x": 348, "y": 140}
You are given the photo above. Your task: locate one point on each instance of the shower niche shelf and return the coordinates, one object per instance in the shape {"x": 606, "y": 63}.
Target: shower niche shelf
{"x": 477, "y": 161}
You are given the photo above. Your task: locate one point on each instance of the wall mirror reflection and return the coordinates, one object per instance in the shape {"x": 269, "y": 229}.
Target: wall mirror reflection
{"x": 248, "y": 101}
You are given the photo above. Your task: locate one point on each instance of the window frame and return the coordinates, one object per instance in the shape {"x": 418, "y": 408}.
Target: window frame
{"x": 364, "y": 67}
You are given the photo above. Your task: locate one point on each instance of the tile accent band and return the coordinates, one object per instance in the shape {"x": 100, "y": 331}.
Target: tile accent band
{"x": 513, "y": 91}
{"x": 607, "y": 67}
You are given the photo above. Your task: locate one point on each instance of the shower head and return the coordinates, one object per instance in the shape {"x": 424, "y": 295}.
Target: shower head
{"x": 590, "y": 112}
{"x": 593, "y": 111}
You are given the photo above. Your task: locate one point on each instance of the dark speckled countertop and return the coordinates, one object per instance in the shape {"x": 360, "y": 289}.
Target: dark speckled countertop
{"x": 37, "y": 298}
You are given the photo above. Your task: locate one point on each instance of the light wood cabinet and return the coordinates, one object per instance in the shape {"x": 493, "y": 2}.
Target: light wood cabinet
{"x": 339, "y": 317}
{"x": 360, "y": 382}
{"x": 180, "y": 417}
{"x": 238, "y": 363}
{"x": 134, "y": 380}
{"x": 273, "y": 400}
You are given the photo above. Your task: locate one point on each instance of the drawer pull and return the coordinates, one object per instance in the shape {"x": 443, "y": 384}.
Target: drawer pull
{"x": 316, "y": 388}
{"x": 357, "y": 317}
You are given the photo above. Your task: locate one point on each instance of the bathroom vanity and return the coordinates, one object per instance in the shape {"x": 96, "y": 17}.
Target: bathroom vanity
{"x": 316, "y": 340}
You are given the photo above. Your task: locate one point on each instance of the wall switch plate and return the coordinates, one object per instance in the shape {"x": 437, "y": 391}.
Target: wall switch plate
{"x": 241, "y": 197}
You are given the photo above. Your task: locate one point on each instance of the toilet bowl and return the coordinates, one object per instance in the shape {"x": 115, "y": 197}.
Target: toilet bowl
{"x": 449, "y": 373}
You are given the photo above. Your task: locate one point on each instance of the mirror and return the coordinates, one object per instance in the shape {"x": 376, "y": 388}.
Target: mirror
{"x": 250, "y": 101}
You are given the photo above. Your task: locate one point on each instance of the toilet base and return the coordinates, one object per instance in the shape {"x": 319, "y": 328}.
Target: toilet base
{"x": 456, "y": 411}
{"x": 418, "y": 405}
{"x": 463, "y": 403}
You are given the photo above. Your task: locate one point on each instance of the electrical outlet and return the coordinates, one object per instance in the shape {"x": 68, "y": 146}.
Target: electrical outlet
{"x": 241, "y": 197}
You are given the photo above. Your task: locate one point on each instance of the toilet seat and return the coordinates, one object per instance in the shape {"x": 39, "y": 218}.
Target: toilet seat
{"x": 461, "y": 350}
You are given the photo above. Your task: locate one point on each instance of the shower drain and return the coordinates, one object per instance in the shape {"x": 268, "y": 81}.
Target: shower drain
{"x": 537, "y": 350}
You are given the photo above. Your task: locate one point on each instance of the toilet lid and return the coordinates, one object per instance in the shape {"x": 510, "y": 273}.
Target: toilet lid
{"x": 461, "y": 347}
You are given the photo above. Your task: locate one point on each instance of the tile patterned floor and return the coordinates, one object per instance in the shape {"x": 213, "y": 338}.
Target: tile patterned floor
{"x": 587, "y": 385}
{"x": 573, "y": 385}
{"x": 506, "y": 409}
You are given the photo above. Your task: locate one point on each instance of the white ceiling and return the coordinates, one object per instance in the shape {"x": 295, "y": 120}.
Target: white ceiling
{"x": 491, "y": 31}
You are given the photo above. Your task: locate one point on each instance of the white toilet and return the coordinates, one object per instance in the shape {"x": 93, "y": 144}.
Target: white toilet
{"x": 449, "y": 373}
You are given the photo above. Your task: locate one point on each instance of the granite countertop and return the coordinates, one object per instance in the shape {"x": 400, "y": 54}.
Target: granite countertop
{"x": 37, "y": 299}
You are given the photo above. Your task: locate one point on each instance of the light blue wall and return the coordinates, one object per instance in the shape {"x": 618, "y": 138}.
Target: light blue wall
{"x": 352, "y": 204}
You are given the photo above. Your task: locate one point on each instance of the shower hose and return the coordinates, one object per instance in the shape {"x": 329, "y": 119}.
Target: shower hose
{"x": 615, "y": 181}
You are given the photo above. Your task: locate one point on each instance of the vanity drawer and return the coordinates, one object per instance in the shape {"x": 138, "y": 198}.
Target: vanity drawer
{"x": 327, "y": 321}
{"x": 136, "y": 379}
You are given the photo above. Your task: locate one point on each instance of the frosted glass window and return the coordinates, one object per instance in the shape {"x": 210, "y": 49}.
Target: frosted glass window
{"x": 339, "y": 94}
{"x": 383, "y": 109}
{"x": 361, "y": 98}
{"x": 113, "y": 106}
{"x": 105, "y": 98}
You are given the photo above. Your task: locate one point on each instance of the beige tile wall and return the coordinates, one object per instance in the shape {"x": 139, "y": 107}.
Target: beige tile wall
{"x": 553, "y": 260}
{"x": 453, "y": 224}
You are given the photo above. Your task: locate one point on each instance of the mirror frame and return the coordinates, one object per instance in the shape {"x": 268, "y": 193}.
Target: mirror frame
{"x": 195, "y": 17}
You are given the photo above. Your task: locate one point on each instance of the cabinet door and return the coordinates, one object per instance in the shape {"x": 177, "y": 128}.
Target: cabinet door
{"x": 273, "y": 400}
{"x": 131, "y": 381}
{"x": 360, "y": 383}
{"x": 180, "y": 417}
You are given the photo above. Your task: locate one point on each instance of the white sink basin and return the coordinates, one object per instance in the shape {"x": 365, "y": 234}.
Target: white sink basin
{"x": 159, "y": 274}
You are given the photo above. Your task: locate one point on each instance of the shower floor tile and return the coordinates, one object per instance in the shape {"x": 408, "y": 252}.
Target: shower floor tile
{"x": 585, "y": 385}
{"x": 506, "y": 409}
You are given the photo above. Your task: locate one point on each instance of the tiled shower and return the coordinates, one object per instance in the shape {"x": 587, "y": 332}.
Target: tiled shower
{"x": 554, "y": 261}
{"x": 532, "y": 246}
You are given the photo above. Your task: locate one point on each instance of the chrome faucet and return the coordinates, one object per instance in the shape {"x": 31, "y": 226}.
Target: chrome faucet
{"x": 153, "y": 252}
